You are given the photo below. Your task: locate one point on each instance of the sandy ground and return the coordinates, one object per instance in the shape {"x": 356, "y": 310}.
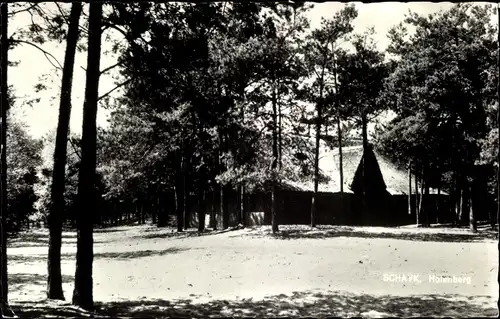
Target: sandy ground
{"x": 338, "y": 271}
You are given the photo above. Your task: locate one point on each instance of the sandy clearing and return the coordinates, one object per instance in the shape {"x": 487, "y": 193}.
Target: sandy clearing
{"x": 140, "y": 263}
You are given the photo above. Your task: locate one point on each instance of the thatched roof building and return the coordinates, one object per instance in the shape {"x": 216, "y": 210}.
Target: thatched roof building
{"x": 394, "y": 178}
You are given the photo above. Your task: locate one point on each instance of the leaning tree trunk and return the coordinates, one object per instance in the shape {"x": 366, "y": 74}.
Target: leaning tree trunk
{"x": 4, "y": 308}
{"x": 274, "y": 201}
{"x": 82, "y": 293}
{"x": 56, "y": 213}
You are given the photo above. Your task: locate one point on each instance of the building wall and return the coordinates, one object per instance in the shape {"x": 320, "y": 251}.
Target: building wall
{"x": 294, "y": 207}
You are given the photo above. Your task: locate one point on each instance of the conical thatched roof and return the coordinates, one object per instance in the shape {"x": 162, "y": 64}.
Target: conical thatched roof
{"x": 368, "y": 178}
{"x": 394, "y": 178}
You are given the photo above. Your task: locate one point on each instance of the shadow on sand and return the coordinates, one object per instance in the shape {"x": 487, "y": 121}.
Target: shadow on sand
{"x": 123, "y": 255}
{"x": 414, "y": 235}
{"x": 299, "y": 304}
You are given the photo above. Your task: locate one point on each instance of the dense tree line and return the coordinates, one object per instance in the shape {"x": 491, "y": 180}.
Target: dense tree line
{"x": 219, "y": 99}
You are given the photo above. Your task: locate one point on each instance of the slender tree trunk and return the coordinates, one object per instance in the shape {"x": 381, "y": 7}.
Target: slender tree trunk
{"x": 274, "y": 208}
{"x": 213, "y": 215}
{"x": 438, "y": 205}
{"x": 54, "y": 282}
{"x": 461, "y": 205}
{"x": 341, "y": 156}
{"x": 187, "y": 191}
{"x": 472, "y": 205}
{"x": 420, "y": 205}
{"x": 82, "y": 294}
{"x": 243, "y": 206}
{"x": 154, "y": 211}
{"x": 498, "y": 154}
{"x": 409, "y": 189}
{"x": 319, "y": 118}
{"x": 224, "y": 207}
{"x": 426, "y": 203}
{"x": 4, "y": 308}
{"x": 179, "y": 204}
{"x": 280, "y": 141}
{"x": 238, "y": 204}
{"x": 417, "y": 197}
{"x": 201, "y": 208}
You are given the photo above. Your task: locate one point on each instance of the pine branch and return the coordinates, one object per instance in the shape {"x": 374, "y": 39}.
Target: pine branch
{"x": 47, "y": 54}
{"x": 114, "y": 89}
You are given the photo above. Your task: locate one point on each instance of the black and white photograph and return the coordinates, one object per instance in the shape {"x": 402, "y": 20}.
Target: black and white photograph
{"x": 249, "y": 159}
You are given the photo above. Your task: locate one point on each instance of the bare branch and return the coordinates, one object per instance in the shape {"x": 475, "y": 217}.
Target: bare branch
{"x": 111, "y": 67}
{"x": 47, "y": 54}
{"x": 114, "y": 89}
{"x": 24, "y": 10}
{"x": 74, "y": 148}
{"x": 62, "y": 13}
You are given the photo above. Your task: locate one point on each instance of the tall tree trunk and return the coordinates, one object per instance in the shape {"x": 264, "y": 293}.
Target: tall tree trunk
{"x": 224, "y": 207}
{"x": 179, "y": 204}
{"x": 201, "y": 207}
{"x": 438, "y": 203}
{"x": 409, "y": 189}
{"x": 274, "y": 164}
{"x": 56, "y": 213}
{"x": 319, "y": 117}
{"x": 243, "y": 206}
{"x": 213, "y": 214}
{"x": 187, "y": 189}
{"x": 426, "y": 203}
{"x": 179, "y": 191}
{"x": 498, "y": 154}
{"x": 155, "y": 207}
{"x": 420, "y": 205}
{"x": 416, "y": 195}
{"x": 82, "y": 294}
{"x": 4, "y": 308}
{"x": 280, "y": 141}
{"x": 472, "y": 206}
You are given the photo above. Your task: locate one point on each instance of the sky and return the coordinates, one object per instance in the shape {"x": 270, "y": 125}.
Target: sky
{"x": 41, "y": 118}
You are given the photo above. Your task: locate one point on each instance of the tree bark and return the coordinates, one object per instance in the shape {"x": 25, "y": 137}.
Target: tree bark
{"x": 417, "y": 197}
{"x": 56, "y": 213}
{"x": 82, "y": 293}
{"x": 3, "y": 161}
